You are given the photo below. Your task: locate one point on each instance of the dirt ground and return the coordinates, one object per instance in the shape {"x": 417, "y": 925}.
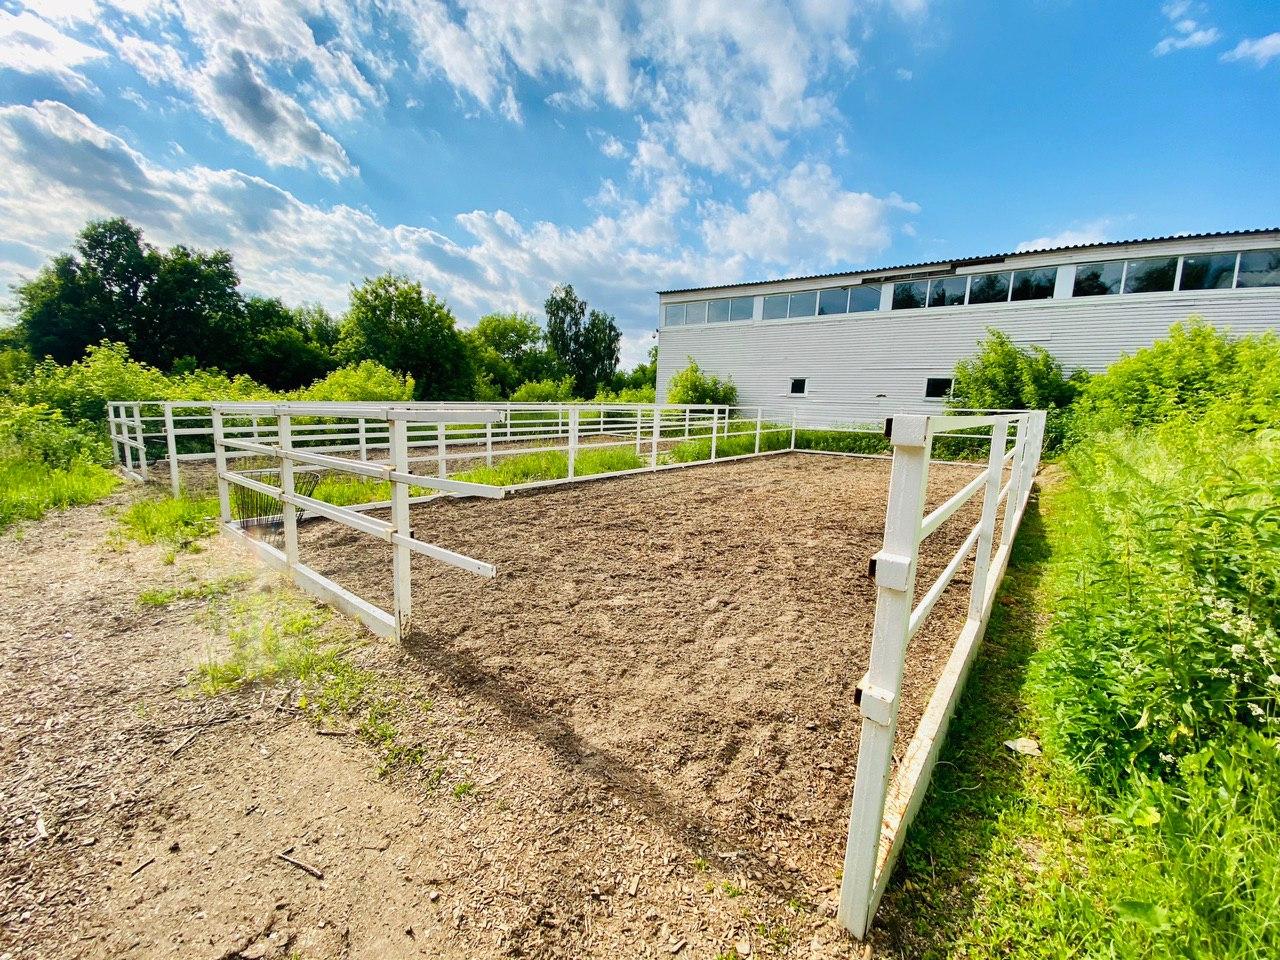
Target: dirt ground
{"x": 638, "y": 740}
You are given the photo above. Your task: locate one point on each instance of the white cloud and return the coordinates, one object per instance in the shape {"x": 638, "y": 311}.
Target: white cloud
{"x": 806, "y": 219}
{"x": 1187, "y": 33}
{"x": 613, "y": 148}
{"x": 903, "y": 74}
{"x": 1095, "y": 231}
{"x": 29, "y": 44}
{"x": 1261, "y": 50}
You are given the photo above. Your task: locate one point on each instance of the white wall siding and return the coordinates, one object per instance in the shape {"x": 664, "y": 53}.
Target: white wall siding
{"x": 856, "y": 358}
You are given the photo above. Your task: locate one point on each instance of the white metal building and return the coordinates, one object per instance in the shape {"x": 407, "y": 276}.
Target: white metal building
{"x": 887, "y": 340}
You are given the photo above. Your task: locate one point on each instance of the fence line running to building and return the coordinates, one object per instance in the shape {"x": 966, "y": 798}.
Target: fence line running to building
{"x": 882, "y": 808}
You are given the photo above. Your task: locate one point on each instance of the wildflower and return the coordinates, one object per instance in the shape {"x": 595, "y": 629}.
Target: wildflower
{"x": 1256, "y": 710}
{"x": 1274, "y": 679}
{"x": 1237, "y": 650}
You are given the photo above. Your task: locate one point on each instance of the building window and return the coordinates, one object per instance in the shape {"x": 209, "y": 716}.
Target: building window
{"x": 742, "y": 308}
{"x": 864, "y": 298}
{"x": 908, "y": 296}
{"x": 989, "y": 288}
{"x": 1214, "y": 271}
{"x": 799, "y": 386}
{"x": 673, "y": 314}
{"x": 717, "y": 311}
{"x": 1035, "y": 284}
{"x": 1098, "y": 279}
{"x": 1259, "y": 268}
{"x": 695, "y": 312}
{"x": 937, "y": 388}
{"x": 833, "y": 301}
{"x": 948, "y": 291}
{"x": 1150, "y": 276}
{"x": 775, "y": 307}
{"x": 803, "y": 304}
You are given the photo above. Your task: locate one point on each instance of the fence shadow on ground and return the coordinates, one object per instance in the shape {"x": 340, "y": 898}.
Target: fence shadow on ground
{"x": 614, "y": 774}
{"x": 977, "y": 778}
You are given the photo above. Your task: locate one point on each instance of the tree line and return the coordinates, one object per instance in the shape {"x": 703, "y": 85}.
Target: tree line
{"x": 182, "y": 309}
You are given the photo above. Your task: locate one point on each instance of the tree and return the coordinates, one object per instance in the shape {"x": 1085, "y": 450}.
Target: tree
{"x": 643, "y": 374}
{"x": 287, "y": 348}
{"x": 508, "y": 349}
{"x": 192, "y": 308}
{"x": 391, "y": 321}
{"x": 587, "y": 345}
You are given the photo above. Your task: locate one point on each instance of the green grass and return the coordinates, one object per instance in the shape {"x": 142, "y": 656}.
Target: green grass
{"x": 283, "y": 638}
{"x": 28, "y": 490}
{"x": 207, "y": 590}
{"x": 553, "y": 465}
{"x": 1026, "y": 857}
{"x": 343, "y": 491}
{"x": 175, "y": 522}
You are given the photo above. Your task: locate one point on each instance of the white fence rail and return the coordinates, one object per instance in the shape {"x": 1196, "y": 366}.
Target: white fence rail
{"x": 882, "y": 807}
{"x": 425, "y": 450}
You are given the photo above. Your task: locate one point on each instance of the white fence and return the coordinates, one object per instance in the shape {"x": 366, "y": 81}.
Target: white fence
{"x": 253, "y": 443}
{"x": 881, "y": 808}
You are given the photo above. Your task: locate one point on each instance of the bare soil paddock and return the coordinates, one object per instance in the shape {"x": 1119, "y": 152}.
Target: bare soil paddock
{"x": 638, "y": 740}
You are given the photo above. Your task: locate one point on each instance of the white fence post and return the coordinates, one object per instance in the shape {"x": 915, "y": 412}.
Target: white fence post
{"x": 171, "y": 443}
{"x": 987, "y": 525}
{"x": 289, "y": 512}
{"x": 441, "y": 444}
{"x": 759, "y": 418}
{"x": 1012, "y": 499}
{"x": 715, "y": 419}
{"x": 142, "y": 440}
{"x": 687, "y": 411}
{"x": 793, "y": 429}
{"x": 364, "y": 440}
{"x": 397, "y": 436}
{"x": 657, "y": 430}
{"x": 639, "y": 428}
{"x": 220, "y": 464}
{"x": 880, "y": 690}
{"x": 488, "y": 444}
{"x": 573, "y": 442}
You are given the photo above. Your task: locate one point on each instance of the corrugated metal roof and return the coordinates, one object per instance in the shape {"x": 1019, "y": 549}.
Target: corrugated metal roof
{"x": 990, "y": 258}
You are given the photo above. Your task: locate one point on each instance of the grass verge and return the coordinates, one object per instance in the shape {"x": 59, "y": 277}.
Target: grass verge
{"x": 29, "y": 489}
{"x": 553, "y": 465}
{"x": 179, "y": 523}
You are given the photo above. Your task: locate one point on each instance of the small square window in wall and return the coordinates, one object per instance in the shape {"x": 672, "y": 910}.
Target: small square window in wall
{"x": 799, "y": 386}
{"x": 1098, "y": 279}
{"x": 1259, "y": 268}
{"x": 1154, "y": 275}
{"x": 937, "y": 388}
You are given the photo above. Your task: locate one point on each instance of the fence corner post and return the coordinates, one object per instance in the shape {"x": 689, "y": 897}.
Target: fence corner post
{"x": 289, "y": 511}
{"x": 880, "y": 690}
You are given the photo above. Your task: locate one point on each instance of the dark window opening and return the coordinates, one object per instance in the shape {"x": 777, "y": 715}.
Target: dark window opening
{"x": 799, "y": 386}
{"x": 937, "y": 388}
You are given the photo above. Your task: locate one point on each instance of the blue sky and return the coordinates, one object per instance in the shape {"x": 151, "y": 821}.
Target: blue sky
{"x": 492, "y": 148}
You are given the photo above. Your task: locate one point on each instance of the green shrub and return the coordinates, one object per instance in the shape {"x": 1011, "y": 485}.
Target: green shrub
{"x": 838, "y": 441}
{"x": 364, "y": 381}
{"x": 544, "y": 391}
{"x": 42, "y": 434}
{"x": 1197, "y": 372}
{"x": 644, "y": 394}
{"x": 1168, "y": 637}
{"x": 692, "y": 385}
{"x": 1004, "y": 376}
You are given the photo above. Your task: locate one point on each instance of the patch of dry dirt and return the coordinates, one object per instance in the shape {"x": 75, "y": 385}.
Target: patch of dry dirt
{"x": 637, "y": 741}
